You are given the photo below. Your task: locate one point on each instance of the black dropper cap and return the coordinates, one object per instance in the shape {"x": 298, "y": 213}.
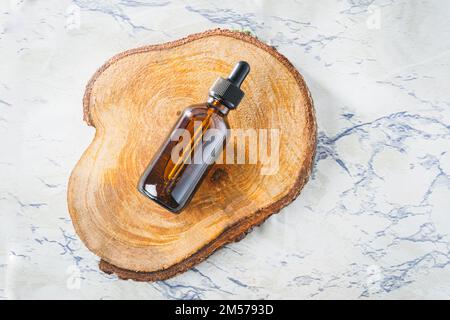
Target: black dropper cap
{"x": 228, "y": 90}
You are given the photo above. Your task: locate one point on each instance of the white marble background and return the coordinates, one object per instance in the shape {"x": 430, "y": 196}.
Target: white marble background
{"x": 372, "y": 223}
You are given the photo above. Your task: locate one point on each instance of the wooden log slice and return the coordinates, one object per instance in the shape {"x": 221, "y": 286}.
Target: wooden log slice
{"x": 133, "y": 100}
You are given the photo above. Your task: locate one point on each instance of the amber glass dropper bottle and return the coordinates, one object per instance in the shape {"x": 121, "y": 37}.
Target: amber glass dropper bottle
{"x": 193, "y": 145}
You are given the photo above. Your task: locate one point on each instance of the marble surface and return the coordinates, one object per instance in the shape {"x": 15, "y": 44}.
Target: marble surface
{"x": 372, "y": 223}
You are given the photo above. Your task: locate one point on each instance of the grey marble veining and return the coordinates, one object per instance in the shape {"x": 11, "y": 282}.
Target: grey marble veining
{"x": 372, "y": 223}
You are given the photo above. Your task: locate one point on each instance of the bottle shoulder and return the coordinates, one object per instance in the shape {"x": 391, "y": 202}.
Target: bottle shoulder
{"x": 201, "y": 111}
{"x": 195, "y": 110}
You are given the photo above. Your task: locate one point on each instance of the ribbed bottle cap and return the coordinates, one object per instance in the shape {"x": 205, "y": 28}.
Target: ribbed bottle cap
{"x": 228, "y": 90}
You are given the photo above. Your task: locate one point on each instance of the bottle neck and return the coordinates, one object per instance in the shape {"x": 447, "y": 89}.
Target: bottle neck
{"x": 219, "y": 106}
